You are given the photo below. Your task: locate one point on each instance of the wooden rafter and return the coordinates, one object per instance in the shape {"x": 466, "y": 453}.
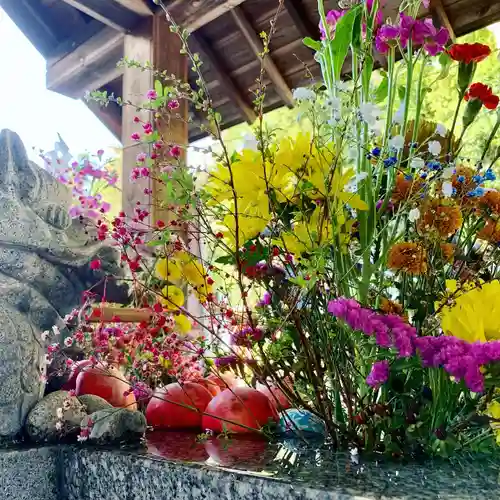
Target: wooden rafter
{"x": 108, "y": 12}
{"x": 222, "y": 75}
{"x": 89, "y": 66}
{"x": 300, "y": 18}
{"x": 270, "y": 67}
{"x": 193, "y": 14}
{"x": 139, "y": 7}
{"x": 437, "y": 8}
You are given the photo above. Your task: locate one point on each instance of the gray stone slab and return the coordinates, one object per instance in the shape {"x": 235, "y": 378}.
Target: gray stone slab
{"x": 29, "y": 474}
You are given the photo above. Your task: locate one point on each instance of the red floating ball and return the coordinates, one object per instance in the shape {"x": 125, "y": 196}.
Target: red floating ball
{"x": 239, "y": 410}
{"x": 168, "y": 408}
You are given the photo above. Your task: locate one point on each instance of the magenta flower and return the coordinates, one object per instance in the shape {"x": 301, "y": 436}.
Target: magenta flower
{"x": 422, "y": 32}
{"x": 135, "y": 136}
{"x": 151, "y": 95}
{"x": 386, "y": 37}
{"x": 265, "y": 300}
{"x": 332, "y": 19}
{"x": 379, "y": 374}
{"x": 173, "y": 104}
{"x": 141, "y": 157}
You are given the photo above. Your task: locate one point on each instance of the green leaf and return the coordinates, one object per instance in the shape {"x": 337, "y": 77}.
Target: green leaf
{"x": 155, "y": 243}
{"x": 445, "y": 63}
{"x": 159, "y": 88}
{"x": 402, "y": 92}
{"x": 357, "y": 32}
{"x": 343, "y": 38}
{"x": 382, "y": 90}
{"x": 312, "y": 44}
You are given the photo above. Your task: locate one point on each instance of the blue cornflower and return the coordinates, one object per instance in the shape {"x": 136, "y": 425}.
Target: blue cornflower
{"x": 376, "y": 151}
{"x": 434, "y": 165}
{"x": 391, "y": 161}
{"x": 489, "y": 175}
{"x": 478, "y": 179}
{"x": 460, "y": 178}
{"x": 423, "y": 175}
{"x": 476, "y": 193}
{"x": 408, "y": 177}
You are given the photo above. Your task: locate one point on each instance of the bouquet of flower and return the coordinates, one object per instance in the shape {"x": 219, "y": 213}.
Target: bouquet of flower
{"x": 349, "y": 273}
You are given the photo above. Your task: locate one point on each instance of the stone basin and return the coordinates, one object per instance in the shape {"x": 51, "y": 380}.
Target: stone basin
{"x": 177, "y": 466}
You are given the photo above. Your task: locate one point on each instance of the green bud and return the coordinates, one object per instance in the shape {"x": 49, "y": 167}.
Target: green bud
{"x": 471, "y": 111}
{"x": 465, "y": 75}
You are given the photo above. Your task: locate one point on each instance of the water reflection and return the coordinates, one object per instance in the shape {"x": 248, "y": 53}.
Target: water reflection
{"x": 316, "y": 465}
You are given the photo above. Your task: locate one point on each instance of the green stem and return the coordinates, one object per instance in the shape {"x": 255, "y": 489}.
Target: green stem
{"x": 490, "y": 139}
{"x": 461, "y": 95}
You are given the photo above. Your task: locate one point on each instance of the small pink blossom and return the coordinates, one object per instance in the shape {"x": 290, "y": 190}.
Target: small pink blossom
{"x": 151, "y": 95}
{"x": 95, "y": 265}
{"x": 135, "y": 136}
{"x": 173, "y": 104}
{"x": 141, "y": 157}
{"x": 175, "y": 151}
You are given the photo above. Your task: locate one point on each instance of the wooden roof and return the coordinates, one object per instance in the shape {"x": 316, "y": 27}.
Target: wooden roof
{"x": 82, "y": 40}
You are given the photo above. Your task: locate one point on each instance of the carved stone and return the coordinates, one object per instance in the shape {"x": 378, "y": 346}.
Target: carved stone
{"x": 44, "y": 268}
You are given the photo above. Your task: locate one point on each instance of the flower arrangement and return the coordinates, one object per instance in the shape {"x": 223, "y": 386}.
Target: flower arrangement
{"x": 349, "y": 273}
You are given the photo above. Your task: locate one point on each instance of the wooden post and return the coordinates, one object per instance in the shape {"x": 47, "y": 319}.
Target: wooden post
{"x": 156, "y": 44}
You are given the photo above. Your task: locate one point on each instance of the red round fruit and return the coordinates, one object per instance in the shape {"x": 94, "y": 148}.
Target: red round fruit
{"x": 167, "y": 409}
{"x": 224, "y": 380}
{"x": 239, "y": 410}
{"x": 107, "y": 382}
{"x": 275, "y": 395}
{"x": 76, "y": 368}
{"x": 209, "y": 385}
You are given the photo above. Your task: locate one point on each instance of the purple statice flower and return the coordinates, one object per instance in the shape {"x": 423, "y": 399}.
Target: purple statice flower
{"x": 390, "y": 331}
{"x": 226, "y": 361}
{"x": 142, "y": 391}
{"x": 378, "y": 374}
{"x": 332, "y": 19}
{"x": 386, "y": 36}
{"x": 265, "y": 300}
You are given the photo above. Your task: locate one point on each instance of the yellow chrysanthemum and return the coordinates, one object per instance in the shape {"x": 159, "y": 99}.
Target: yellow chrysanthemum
{"x": 474, "y": 315}
{"x": 493, "y": 411}
{"x": 183, "y": 324}
{"x": 168, "y": 269}
{"x": 172, "y": 297}
{"x": 194, "y": 273}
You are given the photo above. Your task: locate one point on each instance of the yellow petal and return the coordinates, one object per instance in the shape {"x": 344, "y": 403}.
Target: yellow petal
{"x": 173, "y": 297}
{"x": 183, "y": 323}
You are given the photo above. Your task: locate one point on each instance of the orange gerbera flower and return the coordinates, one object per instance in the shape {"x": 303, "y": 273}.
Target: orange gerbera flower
{"x": 491, "y": 201}
{"x": 462, "y": 180}
{"x": 442, "y": 217}
{"x": 388, "y": 306}
{"x": 405, "y": 188}
{"x": 448, "y": 252}
{"x": 408, "y": 257}
{"x": 490, "y": 232}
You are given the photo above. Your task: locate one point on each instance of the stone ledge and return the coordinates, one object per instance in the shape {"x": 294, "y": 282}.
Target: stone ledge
{"x": 76, "y": 473}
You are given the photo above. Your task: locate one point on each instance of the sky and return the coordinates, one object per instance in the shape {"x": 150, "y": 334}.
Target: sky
{"x": 37, "y": 114}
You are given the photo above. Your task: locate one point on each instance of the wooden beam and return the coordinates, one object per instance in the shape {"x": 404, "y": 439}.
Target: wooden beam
{"x": 28, "y": 17}
{"x": 108, "y": 12}
{"x": 90, "y": 66}
{"x": 109, "y": 115}
{"x": 438, "y": 10}
{"x": 229, "y": 87}
{"x": 193, "y": 14}
{"x": 300, "y": 18}
{"x": 139, "y": 7}
{"x": 270, "y": 67}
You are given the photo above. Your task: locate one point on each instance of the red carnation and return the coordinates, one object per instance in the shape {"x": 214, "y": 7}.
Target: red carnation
{"x": 95, "y": 265}
{"x": 484, "y": 94}
{"x": 469, "y": 52}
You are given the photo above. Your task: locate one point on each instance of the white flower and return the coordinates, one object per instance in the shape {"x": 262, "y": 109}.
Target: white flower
{"x": 59, "y": 425}
{"x": 397, "y": 142}
{"x": 342, "y": 86}
{"x": 371, "y": 115}
{"x": 250, "y": 142}
{"x": 414, "y": 214}
{"x": 45, "y": 335}
{"x": 417, "y": 163}
{"x": 81, "y": 438}
{"x": 399, "y": 116}
{"x": 304, "y": 94}
{"x": 60, "y": 413}
{"x": 352, "y": 185}
{"x": 440, "y": 130}
{"x": 68, "y": 342}
{"x": 434, "y": 148}
{"x": 56, "y": 330}
{"x": 447, "y": 189}
{"x": 448, "y": 173}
